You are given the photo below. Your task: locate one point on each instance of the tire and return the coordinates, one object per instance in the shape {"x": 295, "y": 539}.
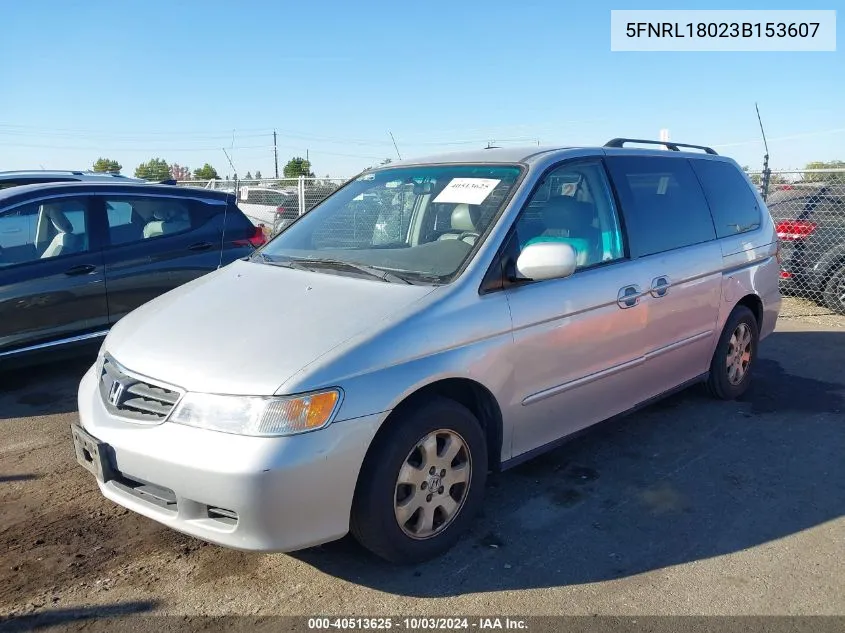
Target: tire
{"x": 834, "y": 291}
{"x": 729, "y": 380}
{"x": 381, "y": 499}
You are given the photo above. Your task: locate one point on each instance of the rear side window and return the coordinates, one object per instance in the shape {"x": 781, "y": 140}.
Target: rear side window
{"x": 137, "y": 218}
{"x": 732, "y": 203}
{"x": 662, "y": 202}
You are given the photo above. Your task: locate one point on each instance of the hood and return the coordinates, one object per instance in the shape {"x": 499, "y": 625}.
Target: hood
{"x": 246, "y": 328}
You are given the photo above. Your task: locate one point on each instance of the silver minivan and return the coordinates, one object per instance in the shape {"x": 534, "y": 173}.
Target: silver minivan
{"x": 443, "y": 318}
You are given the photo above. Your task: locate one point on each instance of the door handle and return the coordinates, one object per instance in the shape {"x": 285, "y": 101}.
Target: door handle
{"x": 82, "y": 269}
{"x": 200, "y": 246}
{"x": 660, "y": 286}
{"x": 629, "y": 296}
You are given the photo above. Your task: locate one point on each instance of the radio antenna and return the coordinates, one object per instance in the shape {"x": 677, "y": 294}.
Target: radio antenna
{"x": 226, "y": 208}
{"x": 396, "y": 147}
{"x": 766, "y": 171}
{"x": 231, "y": 164}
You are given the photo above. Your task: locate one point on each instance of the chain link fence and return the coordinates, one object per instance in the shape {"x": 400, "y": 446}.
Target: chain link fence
{"x": 273, "y": 202}
{"x": 808, "y": 208}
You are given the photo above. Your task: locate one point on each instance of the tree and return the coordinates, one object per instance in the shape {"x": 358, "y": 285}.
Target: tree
{"x": 154, "y": 169}
{"x": 178, "y": 172}
{"x": 825, "y": 177}
{"x": 248, "y": 176}
{"x": 206, "y": 172}
{"x": 297, "y": 167}
{"x": 757, "y": 178}
{"x": 387, "y": 161}
{"x": 107, "y": 166}
{"x": 258, "y": 175}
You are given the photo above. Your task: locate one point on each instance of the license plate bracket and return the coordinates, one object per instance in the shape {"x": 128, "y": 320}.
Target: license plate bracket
{"x": 92, "y": 454}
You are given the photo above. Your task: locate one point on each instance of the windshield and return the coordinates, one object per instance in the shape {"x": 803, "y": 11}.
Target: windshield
{"x": 420, "y": 223}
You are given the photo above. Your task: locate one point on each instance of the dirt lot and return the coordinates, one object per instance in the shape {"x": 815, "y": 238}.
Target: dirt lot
{"x": 689, "y": 507}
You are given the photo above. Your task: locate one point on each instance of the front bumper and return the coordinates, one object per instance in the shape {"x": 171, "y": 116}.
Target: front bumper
{"x": 251, "y": 493}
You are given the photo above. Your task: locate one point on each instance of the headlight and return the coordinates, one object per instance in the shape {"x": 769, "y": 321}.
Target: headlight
{"x": 257, "y": 415}
{"x": 98, "y": 364}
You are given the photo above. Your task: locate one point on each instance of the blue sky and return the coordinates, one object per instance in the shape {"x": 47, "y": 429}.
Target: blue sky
{"x": 132, "y": 81}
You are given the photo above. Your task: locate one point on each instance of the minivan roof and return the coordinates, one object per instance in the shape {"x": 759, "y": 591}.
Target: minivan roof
{"x": 491, "y": 155}
{"x": 529, "y": 154}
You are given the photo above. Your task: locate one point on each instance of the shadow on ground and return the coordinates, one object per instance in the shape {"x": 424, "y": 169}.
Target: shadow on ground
{"x": 687, "y": 479}
{"x": 64, "y": 617}
{"x": 43, "y": 389}
{"x": 11, "y": 478}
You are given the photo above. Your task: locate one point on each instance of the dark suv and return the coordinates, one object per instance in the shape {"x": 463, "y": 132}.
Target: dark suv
{"x": 810, "y": 222}
{"x": 76, "y": 257}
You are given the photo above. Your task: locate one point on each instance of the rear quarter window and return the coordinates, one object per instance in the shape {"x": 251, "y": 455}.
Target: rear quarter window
{"x": 662, "y": 202}
{"x": 731, "y": 200}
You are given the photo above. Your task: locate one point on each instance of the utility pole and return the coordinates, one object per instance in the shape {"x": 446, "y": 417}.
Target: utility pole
{"x": 276, "y": 154}
{"x": 306, "y": 156}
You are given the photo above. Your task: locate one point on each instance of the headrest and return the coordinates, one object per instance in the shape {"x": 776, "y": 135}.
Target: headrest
{"x": 465, "y": 217}
{"x": 565, "y": 212}
{"x": 59, "y": 220}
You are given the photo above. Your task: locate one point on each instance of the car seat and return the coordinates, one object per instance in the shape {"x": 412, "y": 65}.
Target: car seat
{"x": 167, "y": 221}
{"x": 571, "y": 221}
{"x": 464, "y": 220}
{"x": 64, "y": 242}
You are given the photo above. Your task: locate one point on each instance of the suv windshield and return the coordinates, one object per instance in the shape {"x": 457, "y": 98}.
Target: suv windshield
{"x": 418, "y": 223}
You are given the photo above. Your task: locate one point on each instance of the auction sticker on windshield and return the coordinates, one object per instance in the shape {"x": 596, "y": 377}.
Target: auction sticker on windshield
{"x": 467, "y": 190}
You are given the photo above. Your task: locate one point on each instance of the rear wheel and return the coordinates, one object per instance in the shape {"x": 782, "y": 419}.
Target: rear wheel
{"x": 733, "y": 360}
{"x": 422, "y": 483}
{"x": 834, "y": 291}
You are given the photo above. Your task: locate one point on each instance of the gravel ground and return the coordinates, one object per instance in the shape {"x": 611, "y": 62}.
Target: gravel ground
{"x": 810, "y": 312}
{"x": 691, "y": 506}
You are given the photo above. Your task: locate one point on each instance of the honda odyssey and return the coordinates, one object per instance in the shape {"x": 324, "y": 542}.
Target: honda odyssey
{"x": 444, "y": 318}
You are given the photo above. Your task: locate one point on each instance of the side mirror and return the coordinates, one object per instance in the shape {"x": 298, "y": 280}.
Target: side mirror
{"x": 546, "y": 260}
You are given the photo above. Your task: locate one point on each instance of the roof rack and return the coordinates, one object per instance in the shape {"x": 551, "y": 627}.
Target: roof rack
{"x": 675, "y": 147}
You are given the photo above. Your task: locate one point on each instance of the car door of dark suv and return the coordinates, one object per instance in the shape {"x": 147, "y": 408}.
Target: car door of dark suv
{"x": 52, "y": 288}
{"x": 155, "y": 243}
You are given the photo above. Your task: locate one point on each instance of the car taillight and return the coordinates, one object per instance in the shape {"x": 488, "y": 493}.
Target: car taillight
{"x": 791, "y": 230}
{"x": 258, "y": 238}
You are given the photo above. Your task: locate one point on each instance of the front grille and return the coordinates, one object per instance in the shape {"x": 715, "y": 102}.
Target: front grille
{"x": 134, "y": 397}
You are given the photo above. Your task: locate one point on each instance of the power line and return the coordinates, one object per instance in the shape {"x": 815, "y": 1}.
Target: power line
{"x": 790, "y": 137}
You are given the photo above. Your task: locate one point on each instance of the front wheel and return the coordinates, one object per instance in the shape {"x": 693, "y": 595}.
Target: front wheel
{"x": 834, "y": 291}
{"x": 422, "y": 482}
{"x": 733, "y": 360}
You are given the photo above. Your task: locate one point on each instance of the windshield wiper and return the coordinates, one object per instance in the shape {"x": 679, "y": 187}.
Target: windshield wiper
{"x": 372, "y": 271}
{"x": 284, "y": 263}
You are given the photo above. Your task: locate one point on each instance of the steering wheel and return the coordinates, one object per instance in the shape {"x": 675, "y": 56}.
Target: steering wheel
{"x": 468, "y": 234}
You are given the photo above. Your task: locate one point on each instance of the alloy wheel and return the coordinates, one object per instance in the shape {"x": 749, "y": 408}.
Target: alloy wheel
{"x": 739, "y": 354}
{"x": 432, "y": 484}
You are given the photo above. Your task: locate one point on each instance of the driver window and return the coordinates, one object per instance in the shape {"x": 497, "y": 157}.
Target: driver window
{"x": 574, "y": 205}
{"x": 43, "y": 230}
